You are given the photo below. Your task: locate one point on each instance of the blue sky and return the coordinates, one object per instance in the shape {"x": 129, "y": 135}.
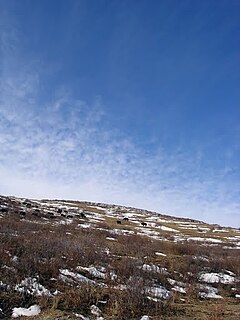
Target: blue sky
{"x": 128, "y": 102}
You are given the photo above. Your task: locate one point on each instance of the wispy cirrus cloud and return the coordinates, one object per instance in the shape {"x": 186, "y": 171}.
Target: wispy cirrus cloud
{"x": 63, "y": 149}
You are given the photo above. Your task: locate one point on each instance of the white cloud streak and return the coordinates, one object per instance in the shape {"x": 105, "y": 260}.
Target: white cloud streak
{"x": 63, "y": 150}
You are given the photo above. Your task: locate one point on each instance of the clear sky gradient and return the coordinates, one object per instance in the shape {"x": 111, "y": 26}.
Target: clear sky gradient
{"x": 127, "y": 102}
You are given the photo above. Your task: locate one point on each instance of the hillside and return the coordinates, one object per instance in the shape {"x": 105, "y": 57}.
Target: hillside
{"x": 82, "y": 260}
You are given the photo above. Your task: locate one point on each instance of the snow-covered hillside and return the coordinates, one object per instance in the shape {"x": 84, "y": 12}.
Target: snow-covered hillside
{"x": 103, "y": 261}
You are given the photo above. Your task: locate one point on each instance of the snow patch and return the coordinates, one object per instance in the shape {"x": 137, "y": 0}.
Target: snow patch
{"x": 164, "y": 228}
{"x": 93, "y": 271}
{"x": 160, "y": 254}
{"x": 31, "y": 311}
{"x": 95, "y": 310}
{"x": 204, "y": 239}
{"x": 213, "y": 277}
{"x": 67, "y": 275}
{"x": 154, "y": 268}
{"x": 159, "y": 292}
{"x": 111, "y": 239}
{"x": 31, "y": 286}
{"x": 209, "y": 292}
{"x": 178, "y": 286}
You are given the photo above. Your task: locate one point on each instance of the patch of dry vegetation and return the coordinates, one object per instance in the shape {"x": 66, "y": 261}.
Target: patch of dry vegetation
{"x": 40, "y": 249}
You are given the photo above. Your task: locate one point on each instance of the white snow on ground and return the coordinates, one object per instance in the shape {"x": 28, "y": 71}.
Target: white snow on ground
{"x": 187, "y": 226}
{"x": 209, "y": 295}
{"x": 203, "y": 228}
{"x": 160, "y": 254}
{"x": 178, "y": 238}
{"x": 209, "y": 292}
{"x": 95, "y": 310}
{"x": 231, "y": 248}
{"x": 4, "y": 286}
{"x": 179, "y": 289}
{"x": 166, "y": 221}
{"x": 236, "y": 238}
{"x": 159, "y": 292}
{"x": 107, "y": 251}
{"x": 14, "y": 259}
{"x": 154, "y": 268}
{"x": 67, "y": 275}
{"x": 93, "y": 271}
{"x": 152, "y": 218}
{"x": 133, "y": 214}
{"x": 213, "y": 277}
{"x": 145, "y": 318}
{"x": 164, "y": 228}
{"x": 31, "y": 286}
{"x": 121, "y": 231}
{"x": 237, "y": 296}
{"x": 201, "y": 258}
{"x": 84, "y": 225}
{"x": 153, "y": 299}
{"x": 177, "y": 285}
{"x": 31, "y": 311}
{"x": 95, "y": 215}
{"x": 67, "y": 221}
{"x": 111, "y": 239}
{"x": 81, "y": 316}
{"x": 86, "y": 318}
{"x": 205, "y": 239}
{"x": 147, "y": 232}
{"x": 99, "y": 208}
{"x": 151, "y": 267}
{"x": 121, "y": 287}
{"x": 151, "y": 224}
{"x": 230, "y": 273}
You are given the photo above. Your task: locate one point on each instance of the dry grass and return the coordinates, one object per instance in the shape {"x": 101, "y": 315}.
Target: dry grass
{"x": 39, "y": 248}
